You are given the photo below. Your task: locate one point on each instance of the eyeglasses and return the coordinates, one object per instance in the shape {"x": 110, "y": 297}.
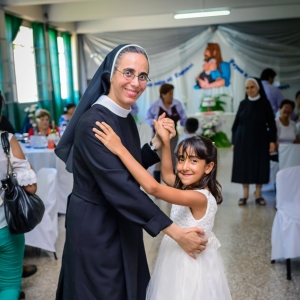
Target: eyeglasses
{"x": 128, "y": 75}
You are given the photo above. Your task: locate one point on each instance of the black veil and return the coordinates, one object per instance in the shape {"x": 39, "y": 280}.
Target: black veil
{"x": 99, "y": 85}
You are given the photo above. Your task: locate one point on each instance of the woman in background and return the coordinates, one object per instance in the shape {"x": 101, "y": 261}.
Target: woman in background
{"x": 43, "y": 125}
{"x": 286, "y": 128}
{"x": 12, "y": 245}
{"x": 173, "y": 110}
{"x": 253, "y": 139}
{"x": 68, "y": 112}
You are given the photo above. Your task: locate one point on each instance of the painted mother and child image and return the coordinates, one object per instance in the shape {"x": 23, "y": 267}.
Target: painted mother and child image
{"x": 216, "y": 72}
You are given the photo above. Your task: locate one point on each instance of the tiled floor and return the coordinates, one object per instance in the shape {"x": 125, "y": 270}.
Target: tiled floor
{"x": 244, "y": 233}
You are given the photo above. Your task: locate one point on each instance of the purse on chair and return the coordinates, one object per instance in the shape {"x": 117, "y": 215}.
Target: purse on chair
{"x": 23, "y": 211}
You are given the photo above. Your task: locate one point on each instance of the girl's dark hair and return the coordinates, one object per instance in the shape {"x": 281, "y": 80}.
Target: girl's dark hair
{"x": 204, "y": 149}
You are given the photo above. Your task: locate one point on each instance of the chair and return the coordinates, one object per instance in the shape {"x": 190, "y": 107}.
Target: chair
{"x": 289, "y": 155}
{"x": 44, "y": 235}
{"x": 286, "y": 224}
{"x": 64, "y": 186}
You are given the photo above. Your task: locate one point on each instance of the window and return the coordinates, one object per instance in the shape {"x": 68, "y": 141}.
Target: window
{"x": 62, "y": 68}
{"x": 24, "y": 59}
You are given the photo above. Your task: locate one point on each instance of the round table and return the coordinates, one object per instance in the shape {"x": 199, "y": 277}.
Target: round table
{"x": 40, "y": 158}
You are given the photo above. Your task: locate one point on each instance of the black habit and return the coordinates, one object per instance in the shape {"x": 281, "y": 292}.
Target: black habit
{"x": 104, "y": 256}
{"x": 253, "y": 130}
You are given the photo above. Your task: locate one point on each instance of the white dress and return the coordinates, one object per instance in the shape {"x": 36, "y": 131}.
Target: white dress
{"x": 176, "y": 275}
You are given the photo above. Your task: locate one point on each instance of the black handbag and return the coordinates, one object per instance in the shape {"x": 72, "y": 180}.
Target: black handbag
{"x": 23, "y": 211}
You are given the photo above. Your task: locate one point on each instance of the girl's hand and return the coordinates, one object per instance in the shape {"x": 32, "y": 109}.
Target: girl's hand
{"x": 170, "y": 126}
{"x": 108, "y": 137}
{"x": 163, "y": 133}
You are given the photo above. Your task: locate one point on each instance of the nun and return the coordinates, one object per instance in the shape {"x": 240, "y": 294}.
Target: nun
{"x": 253, "y": 139}
{"x": 104, "y": 256}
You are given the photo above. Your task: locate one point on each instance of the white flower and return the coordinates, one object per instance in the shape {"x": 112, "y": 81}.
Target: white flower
{"x": 30, "y": 115}
{"x": 26, "y": 109}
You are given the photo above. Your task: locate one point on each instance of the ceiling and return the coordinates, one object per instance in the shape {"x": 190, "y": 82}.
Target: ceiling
{"x": 91, "y": 16}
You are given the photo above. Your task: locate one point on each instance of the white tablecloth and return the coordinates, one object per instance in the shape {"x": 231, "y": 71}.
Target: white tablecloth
{"x": 40, "y": 158}
{"x": 289, "y": 155}
{"x": 46, "y": 158}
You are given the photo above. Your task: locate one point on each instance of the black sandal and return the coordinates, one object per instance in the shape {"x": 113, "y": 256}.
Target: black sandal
{"x": 242, "y": 201}
{"x": 261, "y": 201}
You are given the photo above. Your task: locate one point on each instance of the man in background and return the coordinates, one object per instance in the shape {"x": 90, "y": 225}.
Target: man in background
{"x": 272, "y": 92}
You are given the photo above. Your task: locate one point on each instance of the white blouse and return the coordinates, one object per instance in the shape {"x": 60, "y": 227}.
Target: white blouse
{"x": 286, "y": 134}
{"x": 25, "y": 175}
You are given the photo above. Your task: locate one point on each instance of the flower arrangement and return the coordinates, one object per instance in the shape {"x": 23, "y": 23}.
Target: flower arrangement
{"x": 31, "y": 111}
{"x": 213, "y": 103}
{"x": 211, "y": 126}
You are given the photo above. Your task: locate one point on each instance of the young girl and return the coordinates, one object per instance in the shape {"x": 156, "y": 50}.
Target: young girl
{"x": 194, "y": 193}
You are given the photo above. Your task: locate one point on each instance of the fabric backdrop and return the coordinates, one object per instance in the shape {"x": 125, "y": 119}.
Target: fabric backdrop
{"x": 176, "y": 56}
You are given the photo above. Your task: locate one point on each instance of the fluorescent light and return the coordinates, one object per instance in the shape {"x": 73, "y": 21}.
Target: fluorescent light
{"x": 200, "y": 14}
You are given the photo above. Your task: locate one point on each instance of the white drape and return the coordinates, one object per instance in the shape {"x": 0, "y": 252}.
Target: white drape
{"x": 253, "y": 46}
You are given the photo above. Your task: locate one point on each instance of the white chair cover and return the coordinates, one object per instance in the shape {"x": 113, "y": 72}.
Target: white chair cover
{"x": 44, "y": 235}
{"x": 289, "y": 155}
{"x": 286, "y": 225}
{"x": 64, "y": 185}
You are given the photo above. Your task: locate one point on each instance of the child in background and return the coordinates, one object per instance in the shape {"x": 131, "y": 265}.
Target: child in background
{"x": 194, "y": 192}
{"x": 190, "y": 128}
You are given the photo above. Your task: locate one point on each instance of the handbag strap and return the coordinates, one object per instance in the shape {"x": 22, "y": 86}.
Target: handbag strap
{"x": 6, "y": 148}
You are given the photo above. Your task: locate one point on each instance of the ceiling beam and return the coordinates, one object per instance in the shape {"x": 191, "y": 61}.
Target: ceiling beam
{"x": 168, "y": 21}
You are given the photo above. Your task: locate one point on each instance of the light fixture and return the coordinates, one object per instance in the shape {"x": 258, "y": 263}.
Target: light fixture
{"x": 201, "y": 14}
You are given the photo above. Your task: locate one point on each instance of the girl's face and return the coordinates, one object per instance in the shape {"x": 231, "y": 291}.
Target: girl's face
{"x": 190, "y": 168}
{"x": 251, "y": 89}
{"x": 123, "y": 91}
{"x": 286, "y": 111}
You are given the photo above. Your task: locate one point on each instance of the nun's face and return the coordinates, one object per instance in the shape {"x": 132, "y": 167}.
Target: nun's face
{"x": 123, "y": 91}
{"x": 251, "y": 89}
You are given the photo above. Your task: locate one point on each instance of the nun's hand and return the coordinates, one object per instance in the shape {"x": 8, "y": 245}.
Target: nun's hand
{"x": 272, "y": 147}
{"x": 108, "y": 137}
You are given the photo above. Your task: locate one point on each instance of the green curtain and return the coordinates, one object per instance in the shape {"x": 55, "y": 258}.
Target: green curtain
{"x": 41, "y": 65}
{"x": 53, "y": 49}
{"x": 69, "y": 67}
{"x": 12, "y": 26}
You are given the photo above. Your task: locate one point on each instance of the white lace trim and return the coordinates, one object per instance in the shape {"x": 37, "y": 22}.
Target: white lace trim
{"x": 26, "y": 177}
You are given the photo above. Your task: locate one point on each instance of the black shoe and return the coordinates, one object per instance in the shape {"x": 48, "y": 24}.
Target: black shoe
{"x": 29, "y": 270}
{"x": 242, "y": 201}
{"x": 22, "y": 295}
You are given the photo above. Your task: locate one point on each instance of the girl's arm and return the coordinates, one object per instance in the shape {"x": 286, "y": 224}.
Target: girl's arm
{"x": 166, "y": 160}
{"x": 175, "y": 196}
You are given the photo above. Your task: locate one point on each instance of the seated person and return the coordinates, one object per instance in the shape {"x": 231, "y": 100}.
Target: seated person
{"x": 190, "y": 128}
{"x": 68, "y": 112}
{"x": 43, "y": 125}
{"x": 286, "y": 128}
